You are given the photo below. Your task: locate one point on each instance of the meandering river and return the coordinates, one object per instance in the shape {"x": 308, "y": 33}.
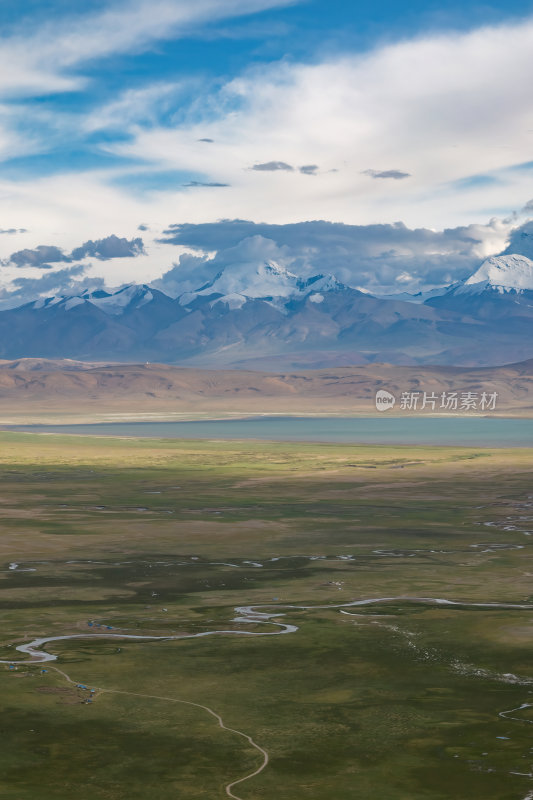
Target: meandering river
{"x": 251, "y": 615}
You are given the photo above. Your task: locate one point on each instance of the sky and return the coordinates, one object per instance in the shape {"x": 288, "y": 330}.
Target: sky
{"x": 124, "y": 118}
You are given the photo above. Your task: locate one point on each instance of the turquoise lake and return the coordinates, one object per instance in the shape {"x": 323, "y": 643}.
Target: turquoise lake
{"x": 468, "y": 431}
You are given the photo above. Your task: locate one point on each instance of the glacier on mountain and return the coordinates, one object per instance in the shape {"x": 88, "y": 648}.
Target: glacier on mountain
{"x": 510, "y": 273}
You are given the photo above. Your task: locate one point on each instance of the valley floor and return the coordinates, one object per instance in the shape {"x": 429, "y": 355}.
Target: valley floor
{"x": 310, "y": 620}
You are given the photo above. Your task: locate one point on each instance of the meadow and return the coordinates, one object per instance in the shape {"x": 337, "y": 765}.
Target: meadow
{"x": 402, "y": 698}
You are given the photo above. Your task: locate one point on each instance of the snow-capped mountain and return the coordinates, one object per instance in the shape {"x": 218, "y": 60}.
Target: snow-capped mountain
{"x": 132, "y": 296}
{"x": 501, "y": 274}
{"x": 266, "y": 280}
{"x": 269, "y": 281}
{"x": 512, "y": 273}
{"x": 114, "y": 303}
{"x": 265, "y": 315}
{"x": 501, "y": 289}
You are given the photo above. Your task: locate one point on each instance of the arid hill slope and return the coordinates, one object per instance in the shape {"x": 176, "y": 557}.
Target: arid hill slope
{"x": 32, "y": 389}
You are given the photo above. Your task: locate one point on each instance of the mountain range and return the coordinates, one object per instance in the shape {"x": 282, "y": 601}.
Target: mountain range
{"x": 270, "y": 318}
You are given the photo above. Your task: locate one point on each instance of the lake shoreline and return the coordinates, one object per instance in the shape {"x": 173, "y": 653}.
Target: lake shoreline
{"x": 450, "y": 430}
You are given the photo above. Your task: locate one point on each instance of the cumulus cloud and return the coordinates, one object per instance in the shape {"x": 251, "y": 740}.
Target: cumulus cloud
{"x": 375, "y": 257}
{"x": 194, "y": 272}
{"x": 521, "y": 240}
{"x": 59, "y": 279}
{"x": 272, "y": 166}
{"x": 43, "y": 257}
{"x": 63, "y": 281}
{"x": 110, "y": 247}
{"x": 394, "y": 174}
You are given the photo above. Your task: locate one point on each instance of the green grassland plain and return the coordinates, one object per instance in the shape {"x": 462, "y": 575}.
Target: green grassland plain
{"x": 404, "y": 700}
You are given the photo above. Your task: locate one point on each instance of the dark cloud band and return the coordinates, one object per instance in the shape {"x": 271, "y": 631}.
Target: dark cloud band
{"x": 273, "y": 166}
{"x": 392, "y": 174}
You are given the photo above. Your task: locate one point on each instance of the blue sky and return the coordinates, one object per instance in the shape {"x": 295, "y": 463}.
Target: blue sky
{"x": 120, "y": 112}
{"x": 205, "y": 56}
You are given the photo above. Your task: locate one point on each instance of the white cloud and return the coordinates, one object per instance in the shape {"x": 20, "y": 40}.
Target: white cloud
{"x": 440, "y": 108}
{"x": 41, "y": 62}
{"x": 50, "y": 58}
{"x": 134, "y": 106}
